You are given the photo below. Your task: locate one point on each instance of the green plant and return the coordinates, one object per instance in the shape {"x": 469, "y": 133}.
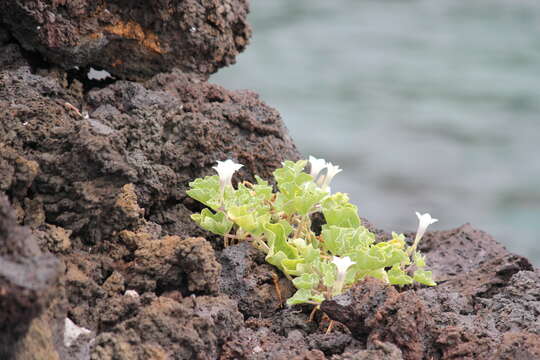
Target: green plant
{"x": 279, "y": 224}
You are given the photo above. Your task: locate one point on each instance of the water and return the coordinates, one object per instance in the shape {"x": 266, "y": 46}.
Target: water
{"x": 428, "y": 105}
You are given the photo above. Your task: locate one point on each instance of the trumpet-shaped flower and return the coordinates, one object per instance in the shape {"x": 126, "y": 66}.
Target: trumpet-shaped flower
{"x": 323, "y": 180}
{"x": 342, "y": 265}
{"x": 424, "y": 220}
{"x": 331, "y": 171}
{"x": 317, "y": 165}
{"x": 225, "y": 170}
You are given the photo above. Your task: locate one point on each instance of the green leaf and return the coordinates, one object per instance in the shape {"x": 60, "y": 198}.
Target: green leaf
{"x": 262, "y": 190}
{"x": 298, "y": 193}
{"x": 419, "y": 259}
{"x": 280, "y": 249}
{"x": 424, "y": 277}
{"x": 216, "y": 223}
{"x": 379, "y": 274}
{"x": 391, "y": 253}
{"x": 249, "y": 219}
{"x": 343, "y": 241}
{"x": 397, "y": 276}
{"x": 303, "y": 296}
{"x": 398, "y": 240}
{"x": 291, "y": 266}
{"x": 276, "y": 258}
{"x": 306, "y": 281}
{"x": 306, "y": 198}
{"x": 371, "y": 259}
{"x": 329, "y": 274}
{"x": 317, "y": 297}
{"x": 292, "y": 172}
{"x": 338, "y": 211}
{"x": 300, "y": 296}
{"x": 206, "y": 191}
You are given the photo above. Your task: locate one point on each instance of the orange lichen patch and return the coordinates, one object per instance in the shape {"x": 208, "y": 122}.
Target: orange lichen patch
{"x": 97, "y": 35}
{"x": 132, "y": 30}
{"x": 117, "y": 62}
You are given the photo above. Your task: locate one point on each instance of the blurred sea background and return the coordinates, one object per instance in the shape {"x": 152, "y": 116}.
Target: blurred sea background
{"x": 427, "y": 105}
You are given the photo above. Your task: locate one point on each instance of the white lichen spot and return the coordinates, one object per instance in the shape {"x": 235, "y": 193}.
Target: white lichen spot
{"x": 94, "y": 74}
{"x": 72, "y": 332}
{"x": 131, "y": 293}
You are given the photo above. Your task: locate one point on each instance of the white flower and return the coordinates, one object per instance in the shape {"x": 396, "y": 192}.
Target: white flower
{"x": 317, "y": 165}
{"x": 424, "y": 220}
{"x": 342, "y": 265}
{"x": 331, "y": 171}
{"x": 323, "y": 180}
{"x": 225, "y": 170}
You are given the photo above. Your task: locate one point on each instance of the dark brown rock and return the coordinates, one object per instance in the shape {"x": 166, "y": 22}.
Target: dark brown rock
{"x": 376, "y": 351}
{"x": 153, "y": 136}
{"x": 519, "y": 346}
{"x": 475, "y": 306}
{"x": 27, "y": 279}
{"x": 17, "y": 172}
{"x": 458, "y": 251}
{"x": 378, "y": 313}
{"x": 263, "y": 344}
{"x": 11, "y": 57}
{"x": 165, "y": 264}
{"x": 83, "y": 291}
{"x": 194, "y": 328}
{"x": 130, "y": 41}
{"x": 250, "y": 281}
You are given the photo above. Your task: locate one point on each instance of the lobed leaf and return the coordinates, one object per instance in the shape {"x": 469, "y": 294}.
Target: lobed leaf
{"x": 424, "y": 277}
{"x": 339, "y": 212}
{"x": 213, "y": 222}
{"x": 396, "y": 276}
{"x": 206, "y": 191}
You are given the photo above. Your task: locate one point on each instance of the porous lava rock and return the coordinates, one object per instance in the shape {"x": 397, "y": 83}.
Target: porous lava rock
{"x": 484, "y": 306}
{"x": 131, "y": 40}
{"x": 27, "y": 278}
{"x": 191, "y": 328}
{"x": 252, "y": 282}
{"x": 158, "y": 136}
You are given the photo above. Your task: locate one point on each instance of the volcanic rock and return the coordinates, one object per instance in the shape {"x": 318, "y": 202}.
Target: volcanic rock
{"x": 131, "y": 41}
{"x": 27, "y": 278}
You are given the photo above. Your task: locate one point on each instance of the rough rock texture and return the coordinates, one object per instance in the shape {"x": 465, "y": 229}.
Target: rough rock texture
{"x": 376, "y": 312}
{"x": 249, "y": 280}
{"x": 27, "y": 278}
{"x": 129, "y": 40}
{"x": 157, "y": 136}
{"x": 160, "y": 265}
{"x": 192, "y": 328}
{"x": 485, "y": 307}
